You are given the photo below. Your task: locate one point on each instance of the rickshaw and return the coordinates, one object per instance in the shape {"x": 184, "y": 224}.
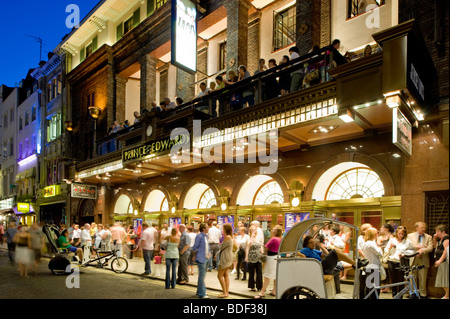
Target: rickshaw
{"x": 303, "y": 278}
{"x": 63, "y": 258}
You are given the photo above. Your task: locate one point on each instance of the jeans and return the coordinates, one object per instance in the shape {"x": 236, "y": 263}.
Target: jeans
{"x": 171, "y": 282}
{"x": 201, "y": 287}
{"x": 148, "y": 256}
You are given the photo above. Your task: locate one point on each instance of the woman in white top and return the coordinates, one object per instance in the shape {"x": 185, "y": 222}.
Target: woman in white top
{"x": 373, "y": 253}
{"x": 241, "y": 242}
{"x": 192, "y": 235}
{"x": 397, "y": 247}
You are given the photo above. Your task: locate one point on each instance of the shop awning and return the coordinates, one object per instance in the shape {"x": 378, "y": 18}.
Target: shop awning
{"x": 29, "y": 173}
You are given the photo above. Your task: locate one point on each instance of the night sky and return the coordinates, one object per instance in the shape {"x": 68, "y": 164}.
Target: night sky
{"x": 45, "y": 19}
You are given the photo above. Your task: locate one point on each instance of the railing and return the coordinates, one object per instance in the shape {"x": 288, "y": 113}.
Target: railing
{"x": 263, "y": 86}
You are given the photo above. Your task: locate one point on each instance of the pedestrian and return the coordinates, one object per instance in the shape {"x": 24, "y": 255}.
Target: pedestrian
{"x": 85, "y": 236}
{"x": 76, "y": 236}
{"x": 185, "y": 250}
{"x": 253, "y": 256}
{"x": 162, "y": 239}
{"x": 172, "y": 256}
{"x": 297, "y": 75}
{"x": 270, "y": 266}
{"x": 226, "y": 260}
{"x": 37, "y": 242}
{"x": 373, "y": 253}
{"x": 23, "y": 254}
{"x": 147, "y": 243}
{"x": 201, "y": 255}
{"x": 214, "y": 234}
{"x": 106, "y": 238}
{"x": 131, "y": 241}
{"x": 241, "y": 242}
{"x": 192, "y": 236}
{"x": 2, "y": 232}
{"x": 259, "y": 232}
{"x": 64, "y": 243}
{"x": 118, "y": 235}
{"x": 423, "y": 244}
{"x": 98, "y": 237}
{"x": 440, "y": 242}
{"x": 93, "y": 230}
{"x": 10, "y": 233}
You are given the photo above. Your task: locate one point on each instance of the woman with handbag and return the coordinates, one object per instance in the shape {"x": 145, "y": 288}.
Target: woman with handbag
{"x": 440, "y": 242}
{"x": 397, "y": 246}
{"x": 226, "y": 260}
{"x": 241, "y": 241}
{"x": 253, "y": 256}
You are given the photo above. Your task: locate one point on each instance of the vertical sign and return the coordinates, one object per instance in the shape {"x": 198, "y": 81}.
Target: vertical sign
{"x": 184, "y": 35}
{"x": 401, "y": 131}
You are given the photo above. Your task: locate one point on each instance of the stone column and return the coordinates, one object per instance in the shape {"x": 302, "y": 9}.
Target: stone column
{"x": 185, "y": 85}
{"x": 148, "y": 81}
{"x": 121, "y": 88}
{"x": 237, "y": 31}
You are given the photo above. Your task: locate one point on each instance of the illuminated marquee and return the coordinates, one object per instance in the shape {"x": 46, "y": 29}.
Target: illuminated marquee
{"x": 51, "y": 191}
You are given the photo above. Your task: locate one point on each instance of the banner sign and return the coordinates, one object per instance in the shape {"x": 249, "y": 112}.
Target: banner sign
{"x": 184, "y": 35}
{"x": 154, "y": 148}
{"x": 401, "y": 131}
{"x": 222, "y": 220}
{"x": 174, "y": 222}
{"x": 84, "y": 191}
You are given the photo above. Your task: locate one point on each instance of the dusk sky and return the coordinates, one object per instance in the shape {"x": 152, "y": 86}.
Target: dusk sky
{"x": 45, "y": 19}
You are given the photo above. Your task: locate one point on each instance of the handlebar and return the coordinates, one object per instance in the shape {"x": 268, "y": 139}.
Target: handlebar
{"x": 408, "y": 269}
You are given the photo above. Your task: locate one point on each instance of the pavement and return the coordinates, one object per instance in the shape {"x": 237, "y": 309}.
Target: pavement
{"x": 238, "y": 288}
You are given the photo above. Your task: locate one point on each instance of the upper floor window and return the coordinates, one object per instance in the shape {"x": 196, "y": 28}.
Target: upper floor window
{"x": 128, "y": 25}
{"x": 152, "y": 5}
{"x": 11, "y": 115}
{"x": 54, "y": 127}
{"x": 33, "y": 113}
{"x": 89, "y": 49}
{"x": 20, "y": 123}
{"x": 223, "y": 55}
{"x": 269, "y": 193}
{"x": 284, "y": 31}
{"x": 5, "y": 121}
{"x": 357, "y": 7}
{"x": 27, "y": 118}
{"x": 208, "y": 199}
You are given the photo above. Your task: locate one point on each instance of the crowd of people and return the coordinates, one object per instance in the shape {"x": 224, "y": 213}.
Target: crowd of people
{"x": 248, "y": 252}
{"x": 302, "y": 75}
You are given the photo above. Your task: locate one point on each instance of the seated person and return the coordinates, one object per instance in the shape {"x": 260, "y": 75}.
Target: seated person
{"x": 329, "y": 259}
{"x": 63, "y": 242}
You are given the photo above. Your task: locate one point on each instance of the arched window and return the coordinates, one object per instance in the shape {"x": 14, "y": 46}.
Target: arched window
{"x": 208, "y": 199}
{"x": 269, "y": 193}
{"x": 355, "y": 183}
{"x": 165, "y": 205}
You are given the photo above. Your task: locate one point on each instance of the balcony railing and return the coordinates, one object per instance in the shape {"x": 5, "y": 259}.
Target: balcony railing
{"x": 264, "y": 86}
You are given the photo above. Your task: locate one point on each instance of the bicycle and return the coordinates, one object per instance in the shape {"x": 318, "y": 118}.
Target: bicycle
{"x": 118, "y": 264}
{"x": 409, "y": 283}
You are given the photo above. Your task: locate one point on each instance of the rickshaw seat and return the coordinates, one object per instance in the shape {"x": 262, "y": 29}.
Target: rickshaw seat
{"x": 330, "y": 285}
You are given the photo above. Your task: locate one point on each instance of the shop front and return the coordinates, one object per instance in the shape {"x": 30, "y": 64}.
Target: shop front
{"x": 52, "y": 204}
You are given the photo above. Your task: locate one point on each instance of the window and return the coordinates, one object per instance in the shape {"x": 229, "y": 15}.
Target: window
{"x": 54, "y": 127}
{"x": 27, "y": 118}
{"x": 208, "y": 199}
{"x": 11, "y": 146}
{"x": 164, "y": 205}
{"x": 20, "y": 123}
{"x": 128, "y": 25}
{"x": 152, "y": 5}
{"x": 20, "y": 151}
{"x": 59, "y": 84}
{"x": 11, "y": 115}
{"x": 355, "y": 183}
{"x": 284, "y": 32}
{"x": 223, "y": 55}
{"x": 33, "y": 113}
{"x": 89, "y": 49}
{"x": 357, "y": 7}
{"x": 269, "y": 193}
{"x": 49, "y": 92}
{"x": 5, "y": 120}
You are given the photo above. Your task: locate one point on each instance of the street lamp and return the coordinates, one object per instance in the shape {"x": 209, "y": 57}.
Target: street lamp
{"x": 95, "y": 111}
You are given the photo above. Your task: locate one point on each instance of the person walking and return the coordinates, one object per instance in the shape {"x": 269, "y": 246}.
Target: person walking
{"x": 253, "y": 255}
{"x": 185, "y": 251}
{"x": 214, "y": 234}
{"x": 131, "y": 241}
{"x": 200, "y": 255}
{"x": 10, "y": 233}
{"x": 192, "y": 236}
{"x": 226, "y": 260}
{"x": 172, "y": 255}
{"x": 118, "y": 235}
{"x": 440, "y": 242}
{"x": 147, "y": 245}
{"x": 37, "y": 243}
{"x": 423, "y": 244}
{"x": 23, "y": 254}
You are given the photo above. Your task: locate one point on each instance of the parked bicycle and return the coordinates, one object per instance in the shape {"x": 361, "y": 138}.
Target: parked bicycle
{"x": 118, "y": 264}
{"x": 409, "y": 283}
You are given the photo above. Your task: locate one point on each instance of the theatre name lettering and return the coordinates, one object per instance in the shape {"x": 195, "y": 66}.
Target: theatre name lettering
{"x": 155, "y": 148}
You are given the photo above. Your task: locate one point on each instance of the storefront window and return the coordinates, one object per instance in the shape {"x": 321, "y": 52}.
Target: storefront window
{"x": 373, "y": 218}
{"x": 269, "y": 193}
{"x": 356, "y": 183}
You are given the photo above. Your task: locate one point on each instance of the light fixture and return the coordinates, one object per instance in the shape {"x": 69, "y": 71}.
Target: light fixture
{"x": 393, "y": 101}
{"x": 223, "y": 206}
{"x": 346, "y": 115}
{"x": 295, "y": 202}
{"x": 173, "y": 209}
{"x": 69, "y": 126}
{"x": 27, "y": 160}
{"x": 95, "y": 111}
{"x": 305, "y": 147}
{"x": 396, "y": 155}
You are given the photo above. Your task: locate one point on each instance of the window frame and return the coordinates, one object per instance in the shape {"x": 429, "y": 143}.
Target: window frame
{"x": 275, "y": 45}
{"x": 353, "y": 9}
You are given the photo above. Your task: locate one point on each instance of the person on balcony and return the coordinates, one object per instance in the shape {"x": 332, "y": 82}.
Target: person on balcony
{"x": 168, "y": 105}
{"x": 284, "y": 83}
{"x": 297, "y": 75}
{"x": 271, "y": 84}
{"x": 248, "y": 94}
{"x": 116, "y": 127}
{"x": 136, "y": 117}
{"x": 203, "y": 105}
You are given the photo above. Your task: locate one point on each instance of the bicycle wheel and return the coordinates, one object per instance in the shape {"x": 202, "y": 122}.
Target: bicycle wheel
{"x": 119, "y": 265}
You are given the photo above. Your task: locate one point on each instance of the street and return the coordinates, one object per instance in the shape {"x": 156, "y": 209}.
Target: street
{"x": 93, "y": 284}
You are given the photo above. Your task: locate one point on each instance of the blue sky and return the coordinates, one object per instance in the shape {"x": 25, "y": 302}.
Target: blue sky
{"x": 45, "y": 19}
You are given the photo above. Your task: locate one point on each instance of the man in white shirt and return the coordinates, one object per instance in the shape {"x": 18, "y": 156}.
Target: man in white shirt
{"x": 118, "y": 234}
{"x": 297, "y": 75}
{"x": 214, "y": 235}
{"x": 147, "y": 242}
{"x": 76, "y": 236}
{"x": 86, "y": 235}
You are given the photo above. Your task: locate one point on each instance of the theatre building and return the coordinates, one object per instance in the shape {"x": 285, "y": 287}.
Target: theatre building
{"x": 363, "y": 139}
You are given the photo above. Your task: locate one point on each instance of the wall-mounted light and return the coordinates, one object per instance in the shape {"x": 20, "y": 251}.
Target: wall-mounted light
{"x": 95, "y": 112}
{"x": 346, "y": 115}
{"x": 27, "y": 160}
{"x": 69, "y": 126}
{"x": 173, "y": 209}
{"x": 295, "y": 202}
{"x": 393, "y": 101}
{"x": 223, "y": 206}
